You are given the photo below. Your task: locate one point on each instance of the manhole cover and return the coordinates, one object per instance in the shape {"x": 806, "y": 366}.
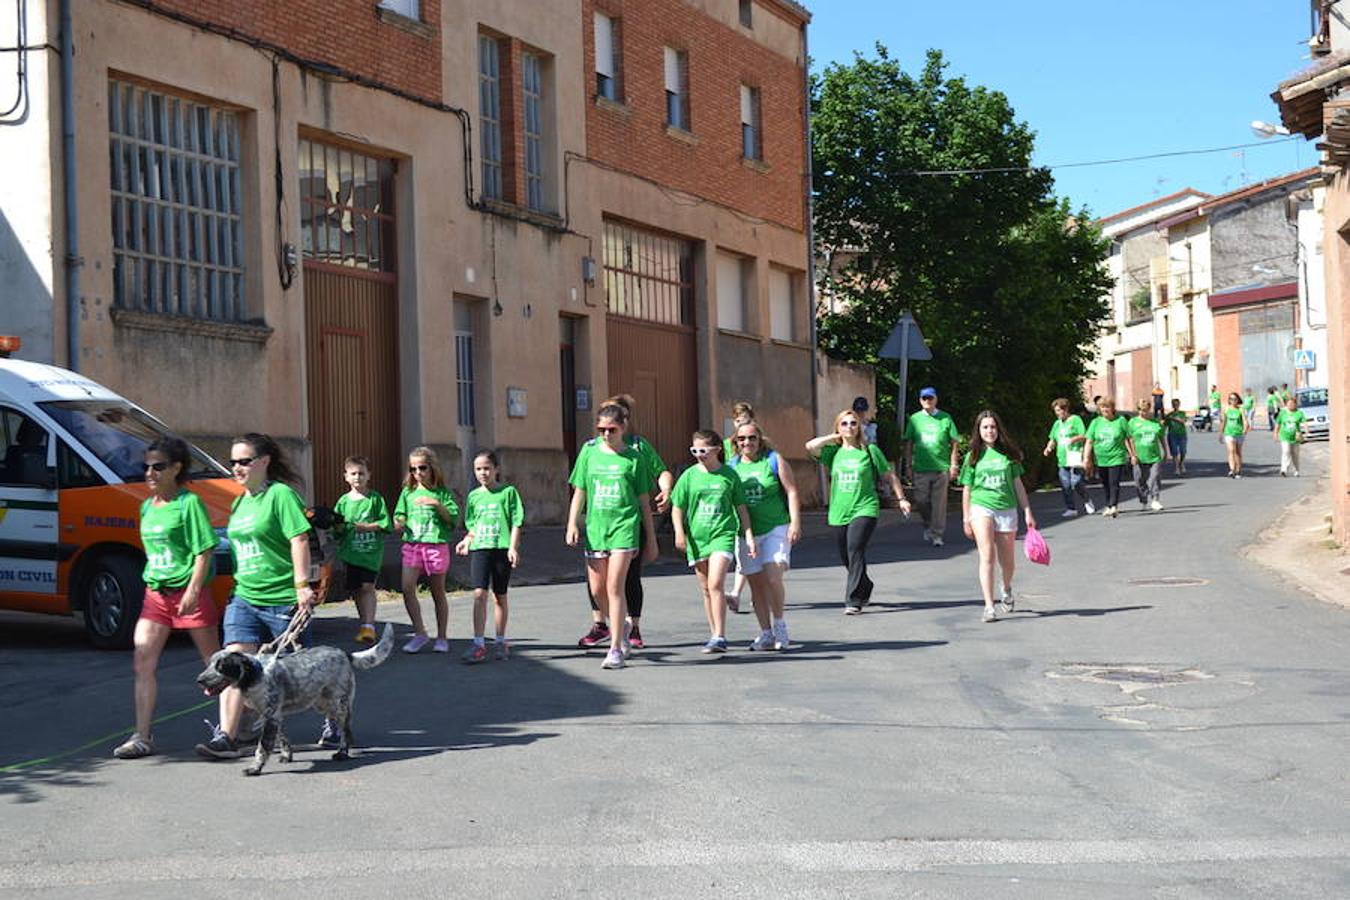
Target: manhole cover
{"x": 1168, "y": 581}
{"x": 1129, "y": 677}
{"x": 1136, "y": 676}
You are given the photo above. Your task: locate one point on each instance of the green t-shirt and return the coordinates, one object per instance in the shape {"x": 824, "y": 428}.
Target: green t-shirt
{"x": 992, "y": 481}
{"x": 424, "y": 524}
{"x": 1108, "y": 440}
{"x": 260, "y": 531}
{"x": 1147, "y": 434}
{"x": 709, "y": 501}
{"x": 613, "y": 482}
{"x": 1248, "y": 402}
{"x": 362, "y": 548}
{"x": 1288, "y": 422}
{"x": 490, "y": 514}
{"x": 1272, "y": 401}
{"x": 1233, "y": 420}
{"x": 1284, "y": 395}
{"x": 853, "y": 481}
{"x": 1215, "y": 400}
{"x": 933, "y": 436}
{"x": 764, "y": 496}
{"x": 1061, "y": 432}
{"x": 655, "y": 465}
{"x": 174, "y": 534}
{"x": 1176, "y": 422}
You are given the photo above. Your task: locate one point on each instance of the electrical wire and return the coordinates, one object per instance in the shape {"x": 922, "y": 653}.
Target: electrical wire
{"x": 996, "y": 170}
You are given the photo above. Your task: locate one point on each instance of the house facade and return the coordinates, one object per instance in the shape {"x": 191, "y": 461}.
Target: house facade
{"x": 430, "y": 225}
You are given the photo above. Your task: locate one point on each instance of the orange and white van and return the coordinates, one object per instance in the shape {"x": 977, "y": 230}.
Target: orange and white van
{"x": 71, "y": 487}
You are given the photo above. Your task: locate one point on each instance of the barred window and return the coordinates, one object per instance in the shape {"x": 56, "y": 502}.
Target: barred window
{"x": 648, "y": 275}
{"x": 534, "y": 130}
{"x": 346, "y": 211}
{"x": 176, "y": 205}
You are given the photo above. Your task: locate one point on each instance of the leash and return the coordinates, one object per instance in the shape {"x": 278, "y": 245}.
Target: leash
{"x": 289, "y": 637}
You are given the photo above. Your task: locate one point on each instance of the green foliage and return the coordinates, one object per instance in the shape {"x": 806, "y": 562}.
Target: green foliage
{"x": 1141, "y": 304}
{"x": 1004, "y": 278}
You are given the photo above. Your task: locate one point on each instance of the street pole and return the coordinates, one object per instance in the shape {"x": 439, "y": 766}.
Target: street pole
{"x": 904, "y": 372}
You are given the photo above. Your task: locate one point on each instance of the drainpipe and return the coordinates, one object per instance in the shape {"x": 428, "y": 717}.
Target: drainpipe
{"x": 69, "y": 188}
{"x": 809, "y": 201}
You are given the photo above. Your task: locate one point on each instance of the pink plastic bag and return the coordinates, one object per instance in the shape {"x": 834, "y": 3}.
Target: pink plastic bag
{"x": 1037, "y": 550}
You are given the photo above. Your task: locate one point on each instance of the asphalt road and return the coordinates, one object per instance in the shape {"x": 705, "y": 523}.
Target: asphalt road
{"x": 1112, "y": 738}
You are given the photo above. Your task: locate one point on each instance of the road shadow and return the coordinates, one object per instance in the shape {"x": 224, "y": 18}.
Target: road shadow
{"x": 1024, "y": 614}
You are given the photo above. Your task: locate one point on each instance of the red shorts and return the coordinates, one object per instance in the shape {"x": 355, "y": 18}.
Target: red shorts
{"x": 162, "y": 607}
{"x": 429, "y": 559}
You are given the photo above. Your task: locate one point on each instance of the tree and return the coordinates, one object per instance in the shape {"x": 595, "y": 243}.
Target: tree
{"x": 1005, "y": 280}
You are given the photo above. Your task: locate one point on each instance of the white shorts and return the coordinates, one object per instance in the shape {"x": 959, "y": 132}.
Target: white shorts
{"x": 1005, "y": 520}
{"x": 715, "y": 553}
{"x": 771, "y": 547}
{"x": 1234, "y": 439}
{"x": 606, "y": 554}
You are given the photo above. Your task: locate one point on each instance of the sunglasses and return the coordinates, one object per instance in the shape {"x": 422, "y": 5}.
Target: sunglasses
{"x": 848, "y": 424}
{"x": 243, "y": 463}
{"x": 602, "y": 429}
{"x": 421, "y": 468}
{"x": 742, "y": 438}
{"x": 156, "y": 466}
{"x": 700, "y": 451}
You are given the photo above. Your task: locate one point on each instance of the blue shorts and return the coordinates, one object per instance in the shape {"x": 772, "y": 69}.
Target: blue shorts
{"x": 1176, "y": 444}
{"x": 246, "y": 623}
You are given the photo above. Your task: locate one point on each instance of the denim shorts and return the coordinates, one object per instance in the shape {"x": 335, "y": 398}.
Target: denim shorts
{"x": 1176, "y": 444}
{"x": 248, "y": 623}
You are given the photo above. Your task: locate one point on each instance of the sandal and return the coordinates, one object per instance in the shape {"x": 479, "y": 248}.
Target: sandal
{"x": 134, "y": 747}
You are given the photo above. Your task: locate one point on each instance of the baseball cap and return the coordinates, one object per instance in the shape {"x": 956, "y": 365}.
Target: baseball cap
{"x": 928, "y": 392}
{"x": 860, "y": 404}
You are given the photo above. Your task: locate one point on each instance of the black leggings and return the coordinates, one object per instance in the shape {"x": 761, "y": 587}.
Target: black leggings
{"x": 852, "y": 540}
{"x": 632, "y": 586}
{"x": 1111, "y": 478}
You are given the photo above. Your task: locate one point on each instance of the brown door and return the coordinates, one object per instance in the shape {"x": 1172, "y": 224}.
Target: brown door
{"x": 657, "y": 364}
{"x": 351, "y": 326}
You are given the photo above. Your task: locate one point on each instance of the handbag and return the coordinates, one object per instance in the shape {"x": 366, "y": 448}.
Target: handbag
{"x": 1035, "y": 547}
{"x": 1073, "y": 459}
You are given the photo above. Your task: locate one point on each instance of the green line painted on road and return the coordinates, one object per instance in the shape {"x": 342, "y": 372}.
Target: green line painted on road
{"x": 30, "y": 763}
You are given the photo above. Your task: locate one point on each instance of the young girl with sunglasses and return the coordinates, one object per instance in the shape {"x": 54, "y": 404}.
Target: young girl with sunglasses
{"x": 427, "y": 513}
{"x": 708, "y": 511}
{"x": 856, "y": 470}
{"x": 775, "y": 514}
{"x": 493, "y": 515}
{"x": 612, "y": 483}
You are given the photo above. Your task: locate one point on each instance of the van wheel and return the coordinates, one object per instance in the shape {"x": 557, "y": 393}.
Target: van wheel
{"x": 113, "y": 591}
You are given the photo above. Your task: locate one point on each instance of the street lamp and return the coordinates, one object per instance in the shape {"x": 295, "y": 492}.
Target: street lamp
{"x": 1268, "y": 129}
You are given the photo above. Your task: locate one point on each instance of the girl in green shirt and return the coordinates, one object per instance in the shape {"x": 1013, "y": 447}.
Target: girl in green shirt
{"x": 178, "y": 540}
{"x": 1234, "y": 432}
{"x": 775, "y": 517}
{"x": 708, "y": 510}
{"x": 426, "y": 513}
{"x": 612, "y": 482}
{"x": 493, "y": 516}
{"x": 992, "y": 477}
{"x": 856, "y": 470}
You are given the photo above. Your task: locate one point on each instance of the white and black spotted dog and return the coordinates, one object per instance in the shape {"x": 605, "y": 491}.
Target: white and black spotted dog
{"x": 274, "y": 686}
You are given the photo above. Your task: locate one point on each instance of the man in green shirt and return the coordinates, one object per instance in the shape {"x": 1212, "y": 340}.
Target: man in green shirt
{"x": 1249, "y": 407}
{"x": 932, "y": 445}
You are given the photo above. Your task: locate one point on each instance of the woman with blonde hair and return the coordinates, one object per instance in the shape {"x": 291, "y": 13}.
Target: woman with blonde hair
{"x": 775, "y": 519}
{"x": 856, "y": 470}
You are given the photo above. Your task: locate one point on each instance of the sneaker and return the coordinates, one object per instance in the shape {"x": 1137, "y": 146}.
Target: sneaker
{"x": 1156, "y": 506}
{"x": 417, "y": 642}
{"x": 937, "y": 540}
{"x": 1283, "y": 473}
{"x": 715, "y": 645}
{"x": 1115, "y": 511}
{"x": 442, "y": 645}
{"x": 134, "y": 747}
{"x": 475, "y": 654}
{"x": 1106, "y": 511}
{"x": 1068, "y": 514}
{"x": 221, "y": 746}
{"x": 1090, "y": 507}
{"x": 613, "y": 659}
{"x": 1237, "y": 476}
{"x": 365, "y": 634}
{"x": 763, "y": 642}
{"x": 852, "y": 610}
{"x": 502, "y": 651}
{"x": 635, "y": 638}
{"x": 1296, "y": 473}
{"x": 927, "y": 536}
{"x": 989, "y": 615}
{"x": 1006, "y": 601}
{"x": 330, "y": 739}
{"x": 599, "y": 634}
{"x": 1183, "y": 468}
{"x": 780, "y": 637}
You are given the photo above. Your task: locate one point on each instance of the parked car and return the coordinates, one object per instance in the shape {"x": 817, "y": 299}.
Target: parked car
{"x": 1313, "y": 402}
{"x": 71, "y": 487}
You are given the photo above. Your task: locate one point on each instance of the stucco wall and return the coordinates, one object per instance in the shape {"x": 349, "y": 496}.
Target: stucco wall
{"x": 1338, "y": 349}
{"x": 1244, "y": 237}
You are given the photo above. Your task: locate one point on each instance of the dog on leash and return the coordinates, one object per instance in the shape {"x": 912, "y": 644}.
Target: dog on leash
{"x": 276, "y": 685}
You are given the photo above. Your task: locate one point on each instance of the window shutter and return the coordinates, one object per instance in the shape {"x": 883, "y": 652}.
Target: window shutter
{"x": 604, "y": 45}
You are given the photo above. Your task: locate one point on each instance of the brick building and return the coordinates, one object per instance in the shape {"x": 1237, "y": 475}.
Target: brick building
{"x": 361, "y": 226}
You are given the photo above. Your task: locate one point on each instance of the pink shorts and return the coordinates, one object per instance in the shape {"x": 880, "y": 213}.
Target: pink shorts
{"x": 162, "y": 607}
{"x": 430, "y": 559}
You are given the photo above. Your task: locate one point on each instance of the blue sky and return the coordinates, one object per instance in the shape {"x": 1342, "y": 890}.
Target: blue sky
{"x": 1107, "y": 80}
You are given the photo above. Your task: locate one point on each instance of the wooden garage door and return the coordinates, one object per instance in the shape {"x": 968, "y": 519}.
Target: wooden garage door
{"x": 656, "y": 364}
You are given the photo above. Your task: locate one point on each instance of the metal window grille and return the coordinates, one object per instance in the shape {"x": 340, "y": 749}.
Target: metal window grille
{"x": 176, "y": 205}
{"x": 490, "y": 114}
{"x": 533, "y": 85}
{"x": 464, "y": 378}
{"x": 648, "y": 275}
{"x": 346, "y": 213}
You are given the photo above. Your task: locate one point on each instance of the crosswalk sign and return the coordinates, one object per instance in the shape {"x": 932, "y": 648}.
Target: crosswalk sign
{"x": 1305, "y": 359}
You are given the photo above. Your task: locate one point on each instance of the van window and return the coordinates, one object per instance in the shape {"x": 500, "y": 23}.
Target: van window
{"x": 72, "y": 471}
{"x": 118, "y": 433}
{"x": 24, "y": 459}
